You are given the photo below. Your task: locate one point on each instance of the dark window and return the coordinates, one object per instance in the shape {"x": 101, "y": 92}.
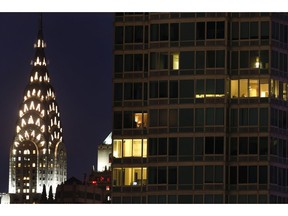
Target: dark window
{"x": 264, "y": 30}
{"x": 163, "y": 32}
{"x": 138, "y": 34}
{"x": 173, "y": 146}
{"x": 253, "y": 117}
{"x": 162, "y": 146}
{"x": 220, "y": 30}
{"x": 127, "y": 119}
{"x": 173, "y": 89}
{"x": 128, "y": 91}
{"x": 138, "y": 62}
{"x": 244, "y": 59}
{"x": 210, "y": 61}
{"x": 200, "y": 86}
{"x": 154, "y": 32}
{"x": 187, "y": 60}
{"x": 152, "y": 175}
{"x": 187, "y": 31}
{"x": 186, "y": 88}
{"x": 233, "y": 175}
{"x": 198, "y": 175}
{"x": 172, "y": 175}
{"x": 235, "y": 31}
{"x": 219, "y": 116}
{"x": 200, "y": 59}
{"x": 129, "y": 34}
{"x": 117, "y": 120}
{"x": 263, "y": 175}
{"x": 199, "y": 117}
{"x": 118, "y": 91}
{"x": 254, "y": 30}
{"x": 186, "y": 117}
{"x": 244, "y": 30}
{"x": 200, "y": 31}
{"x": 234, "y": 60}
{"x": 263, "y": 145}
{"x": 163, "y": 117}
{"x": 185, "y": 146}
{"x": 185, "y": 174}
{"x": 118, "y": 63}
{"x": 163, "y": 89}
{"x": 211, "y": 30}
{"x": 243, "y": 145}
{"x": 199, "y": 145}
{"x": 129, "y": 62}
{"x": 118, "y": 35}
{"x": 154, "y": 89}
{"x": 174, "y": 32}
{"x": 162, "y": 178}
{"x": 233, "y": 146}
{"x": 209, "y": 145}
{"x": 242, "y": 174}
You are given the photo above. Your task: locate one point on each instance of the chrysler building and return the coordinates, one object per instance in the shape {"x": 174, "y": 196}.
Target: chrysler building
{"x": 37, "y": 154}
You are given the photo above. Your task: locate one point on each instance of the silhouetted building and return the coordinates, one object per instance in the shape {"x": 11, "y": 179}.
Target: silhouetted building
{"x": 75, "y": 191}
{"x": 200, "y": 108}
{"x": 37, "y": 154}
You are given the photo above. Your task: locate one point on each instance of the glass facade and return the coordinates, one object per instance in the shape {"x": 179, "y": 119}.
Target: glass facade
{"x": 200, "y": 108}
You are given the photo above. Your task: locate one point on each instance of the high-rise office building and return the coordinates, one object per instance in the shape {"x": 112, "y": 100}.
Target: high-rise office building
{"x": 200, "y": 108}
{"x": 37, "y": 154}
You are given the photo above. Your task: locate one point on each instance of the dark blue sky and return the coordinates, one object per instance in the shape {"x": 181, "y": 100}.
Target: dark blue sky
{"x": 79, "y": 51}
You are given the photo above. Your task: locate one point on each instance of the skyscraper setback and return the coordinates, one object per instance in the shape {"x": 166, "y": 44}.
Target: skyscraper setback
{"x": 37, "y": 154}
{"x": 200, "y": 108}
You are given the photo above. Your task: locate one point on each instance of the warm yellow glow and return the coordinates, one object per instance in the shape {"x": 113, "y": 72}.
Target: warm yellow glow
{"x": 23, "y": 122}
{"x": 117, "y": 148}
{"x": 243, "y": 87}
{"x": 140, "y": 120}
{"x": 21, "y": 113}
{"x": 42, "y": 142}
{"x": 199, "y": 95}
{"x": 38, "y": 107}
{"x": 25, "y": 108}
{"x": 30, "y": 120}
{"x": 36, "y": 76}
{"x": 37, "y": 122}
{"x": 14, "y": 151}
{"x": 44, "y": 152}
{"x": 43, "y": 113}
{"x": 26, "y": 135}
{"x": 33, "y": 133}
{"x": 42, "y": 128}
{"x": 31, "y": 79}
{"x": 20, "y": 137}
{"x": 254, "y": 88}
{"x": 32, "y": 107}
{"x": 175, "y": 61}
{"x": 33, "y": 92}
{"x": 127, "y": 148}
{"x": 40, "y": 78}
{"x": 257, "y": 62}
{"x": 33, "y": 165}
{"x": 38, "y": 137}
{"x": 137, "y": 147}
{"x": 234, "y": 88}
{"x": 18, "y": 129}
{"x": 39, "y": 93}
{"x": 144, "y": 148}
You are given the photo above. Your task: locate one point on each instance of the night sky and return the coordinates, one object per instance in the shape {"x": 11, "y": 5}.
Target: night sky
{"x": 79, "y": 51}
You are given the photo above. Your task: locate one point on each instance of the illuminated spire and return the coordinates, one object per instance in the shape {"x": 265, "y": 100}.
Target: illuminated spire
{"x": 34, "y": 133}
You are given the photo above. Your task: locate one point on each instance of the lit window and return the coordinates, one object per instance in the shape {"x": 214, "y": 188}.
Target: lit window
{"x": 264, "y": 88}
{"x": 253, "y": 88}
{"x": 234, "y": 88}
{"x": 144, "y": 147}
{"x": 127, "y": 147}
{"x": 19, "y": 164}
{"x": 34, "y": 151}
{"x": 140, "y": 120}
{"x": 175, "y": 57}
{"x": 117, "y": 148}
{"x": 18, "y": 191}
{"x": 137, "y": 147}
{"x": 284, "y": 91}
{"x": 33, "y": 164}
{"x": 27, "y": 197}
{"x": 243, "y": 87}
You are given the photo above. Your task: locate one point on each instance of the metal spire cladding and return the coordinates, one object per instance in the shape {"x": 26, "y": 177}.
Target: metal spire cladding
{"x": 38, "y": 154}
